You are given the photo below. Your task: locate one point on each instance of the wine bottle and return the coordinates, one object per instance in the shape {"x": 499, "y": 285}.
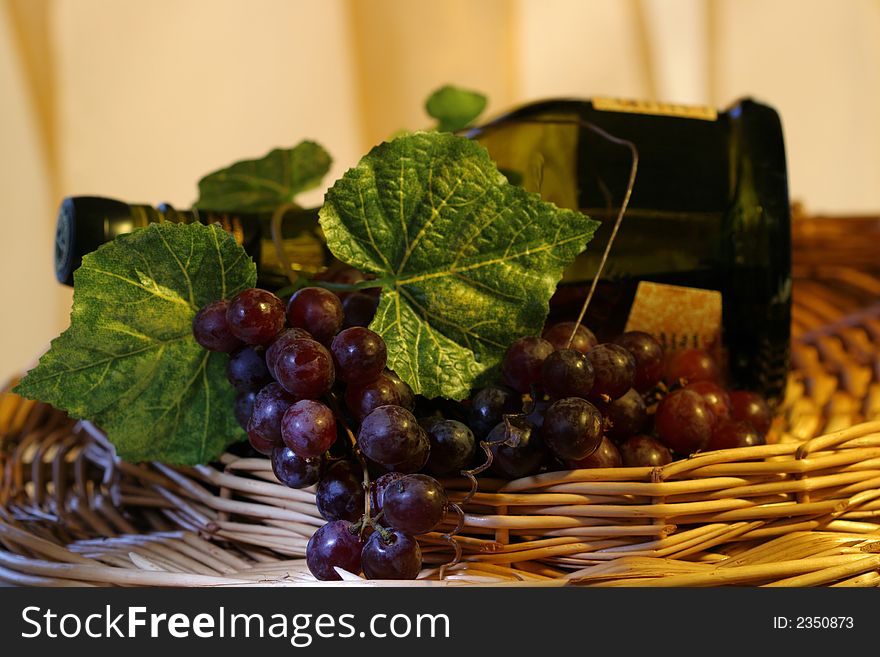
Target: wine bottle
{"x": 709, "y": 210}
{"x": 86, "y": 222}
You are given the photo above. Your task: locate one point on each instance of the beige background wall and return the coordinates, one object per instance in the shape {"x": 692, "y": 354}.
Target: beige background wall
{"x": 138, "y": 99}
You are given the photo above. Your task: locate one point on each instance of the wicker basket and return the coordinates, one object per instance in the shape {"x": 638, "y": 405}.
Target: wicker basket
{"x": 801, "y": 511}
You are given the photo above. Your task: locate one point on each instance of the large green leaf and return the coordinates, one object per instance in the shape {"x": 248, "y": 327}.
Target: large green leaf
{"x": 467, "y": 261}
{"x": 454, "y": 107}
{"x": 129, "y": 361}
{"x": 264, "y": 184}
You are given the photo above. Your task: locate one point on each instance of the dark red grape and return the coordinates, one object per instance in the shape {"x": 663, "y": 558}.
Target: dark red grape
{"x": 734, "y": 433}
{"x": 690, "y": 365}
{"x": 246, "y": 369}
{"x": 522, "y": 362}
{"x": 644, "y": 451}
{"x": 572, "y": 428}
{"x": 211, "y": 330}
{"x": 489, "y": 406}
{"x": 684, "y": 421}
{"x": 391, "y": 436}
{"x": 567, "y": 373}
{"x": 255, "y": 316}
{"x": 606, "y": 456}
{"x": 359, "y": 308}
{"x": 244, "y": 406}
{"x": 519, "y": 453}
{"x": 362, "y": 400}
{"x": 415, "y": 504}
{"x": 752, "y": 408}
{"x": 334, "y": 544}
{"x": 264, "y": 427}
{"x": 407, "y": 397}
{"x": 305, "y": 368}
{"x": 340, "y": 492}
{"x": 346, "y": 276}
{"x": 293, "y": 471}
{"x": 316, "y": 310}
{"x": 308, "y": 427}
{"x": 613, "y": 371}
{"x": 625, "y": 416}
{"x": 396, "y": 557}
{"x": 452, "y": 447}
{"x": 558, "y": 335}
{"x": 284, "y": 338}
{"x": 359, "y": 355}
{"x": 648, "y": 355}
{"x": 715, "y": 397}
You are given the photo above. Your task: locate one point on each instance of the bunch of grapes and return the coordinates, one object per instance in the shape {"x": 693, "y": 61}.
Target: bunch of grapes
{"x": 315, "y": 396}
{"x": 623, "y": 403}
{"x": 306, "y": 373}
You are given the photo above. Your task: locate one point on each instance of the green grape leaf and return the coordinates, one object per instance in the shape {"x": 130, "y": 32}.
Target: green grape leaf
{"x": 454, "y": 108}
{"x": 264, "y": 184}
{"x": 129, "y": 363}
{"x": 467, "y": 262}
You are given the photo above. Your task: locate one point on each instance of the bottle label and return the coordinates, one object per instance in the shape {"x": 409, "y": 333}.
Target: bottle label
{"x": 703, "y": 112}
{"x": 678, "y": 317}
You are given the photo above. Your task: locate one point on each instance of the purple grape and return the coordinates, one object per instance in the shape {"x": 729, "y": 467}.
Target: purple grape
{"x": 521, "y": 453}
{"x": 284, "y": 338}
{"x": 316, "y": 310}
{"x": 340, "y": 492}
{"x": 452, "y": 447}
{"x": 246, "y": 369}
{"x": 572, "y": 428}
{"x": 404, "y": 392}
{"x": 558, "y": 334}
{"x": 211, "y": 330}
{"x": 489, "y": 406}
{"x": 308, "y": 427}
{"x": 648, "y": 355}
{"x": 378, "y": 487}
{"x": 752, "y": 408}
{"x": 683, "y": 421}
{"x": 396, "y": 557}
{"x": 644, "y": 451}
{"x": 734, "y": 433}
{"x": 244, "y": 406}
{"x": 391, "y": 436}
{"x": 359, "y": 309}
{"x": 293, "y": 471}
{"x": 690, "y": 365}
{"x": 255, "y": 316}
{"x": 415, "y": 504}
{"x": 264, "y": 427}
{"x": 359, "y": 355}
{"x": 361, "y": 400}
{"x": 625, "y": 416}
{"x": 716, "y": 399}
{"x": 613, "y": 371}
{"x": 522, "y": 362}
{"x": 567, "y": 373}
{"x": 606, "y": 456}
{"x": 334, "y": 544}
{"x": 305, "y": 368}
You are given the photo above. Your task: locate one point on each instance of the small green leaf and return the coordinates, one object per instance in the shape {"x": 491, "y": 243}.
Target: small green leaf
{"x": 129, "y": 361}
{"x": 454, "y": 108}
{"x": 467, "y": 261}
{"x": 264, "y": 184}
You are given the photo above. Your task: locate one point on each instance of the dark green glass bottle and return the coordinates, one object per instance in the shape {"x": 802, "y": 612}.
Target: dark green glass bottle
{"x": 709, "y": 209}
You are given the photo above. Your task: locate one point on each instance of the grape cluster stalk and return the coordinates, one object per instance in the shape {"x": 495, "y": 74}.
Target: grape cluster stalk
{"x": 316, "y": 397}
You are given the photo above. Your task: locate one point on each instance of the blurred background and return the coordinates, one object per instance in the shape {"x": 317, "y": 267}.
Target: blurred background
{"x": 137, "y": 100}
